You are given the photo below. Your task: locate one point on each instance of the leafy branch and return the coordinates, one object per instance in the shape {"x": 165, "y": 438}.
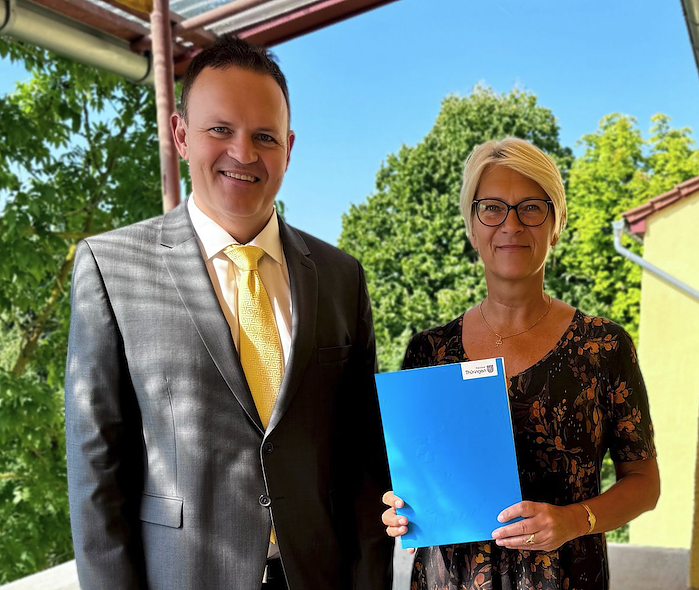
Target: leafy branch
{"x": 26, "y": 353}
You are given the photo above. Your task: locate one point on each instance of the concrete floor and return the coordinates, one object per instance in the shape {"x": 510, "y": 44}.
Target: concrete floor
{"x": 631, "y": 567}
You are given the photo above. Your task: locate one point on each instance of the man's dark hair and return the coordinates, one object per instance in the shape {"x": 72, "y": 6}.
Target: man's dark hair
{"x": 230, "y": 51}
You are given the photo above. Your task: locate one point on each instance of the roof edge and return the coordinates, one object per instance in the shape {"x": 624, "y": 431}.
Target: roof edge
{"x": 636, "y": 217}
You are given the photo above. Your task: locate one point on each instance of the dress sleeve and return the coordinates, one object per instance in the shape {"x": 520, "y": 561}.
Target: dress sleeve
{"x": 414, "y": 354}
{"x": 632, "y": 430}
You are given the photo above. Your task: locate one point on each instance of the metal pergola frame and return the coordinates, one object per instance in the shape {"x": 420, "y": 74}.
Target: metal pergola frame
{"x": 146, "y": 42}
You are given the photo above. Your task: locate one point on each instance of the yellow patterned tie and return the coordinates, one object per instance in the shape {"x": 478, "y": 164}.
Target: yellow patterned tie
{"x": 260, "y": 347}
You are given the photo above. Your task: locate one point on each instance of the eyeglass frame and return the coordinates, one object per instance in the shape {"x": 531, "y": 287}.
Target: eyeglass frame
{"x": 548, "y": 202}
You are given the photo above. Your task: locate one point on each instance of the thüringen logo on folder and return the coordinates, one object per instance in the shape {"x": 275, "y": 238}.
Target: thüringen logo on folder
{"x": 477, "y": 369}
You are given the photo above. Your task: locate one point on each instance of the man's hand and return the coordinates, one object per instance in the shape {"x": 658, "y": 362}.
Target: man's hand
{"x": 396, "y": 525}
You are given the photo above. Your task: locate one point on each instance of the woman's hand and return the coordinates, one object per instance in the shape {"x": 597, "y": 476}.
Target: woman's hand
{"x": 396, "y": 525}
{"x": 545, "y": 526}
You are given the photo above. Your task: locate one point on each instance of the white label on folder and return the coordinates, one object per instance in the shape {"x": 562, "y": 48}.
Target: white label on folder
{"x": 477, "y": 369}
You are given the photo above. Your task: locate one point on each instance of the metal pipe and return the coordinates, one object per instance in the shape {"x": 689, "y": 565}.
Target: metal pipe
{"x": 26, "y": 22}
{"x": 619, "y": 228}
{"x": 165, "y": 102}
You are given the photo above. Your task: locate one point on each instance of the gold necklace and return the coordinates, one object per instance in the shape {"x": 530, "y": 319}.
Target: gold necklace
{"x": 498, "y": 342}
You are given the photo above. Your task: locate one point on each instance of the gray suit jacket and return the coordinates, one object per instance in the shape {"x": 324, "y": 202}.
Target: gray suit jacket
{"x": 173, "y": 482}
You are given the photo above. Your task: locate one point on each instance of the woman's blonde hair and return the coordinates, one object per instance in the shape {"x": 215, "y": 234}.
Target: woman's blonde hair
{"x": 525, "y": 158}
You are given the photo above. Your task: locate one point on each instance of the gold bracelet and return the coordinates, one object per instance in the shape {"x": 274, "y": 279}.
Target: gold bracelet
{"x": 591, "y": 519}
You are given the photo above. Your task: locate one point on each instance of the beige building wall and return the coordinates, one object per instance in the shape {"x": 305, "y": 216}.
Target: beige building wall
{"x": 669, "y": 357}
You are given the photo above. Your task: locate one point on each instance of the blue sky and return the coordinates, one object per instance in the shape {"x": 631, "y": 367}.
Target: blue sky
{"x": 363, "y": 87}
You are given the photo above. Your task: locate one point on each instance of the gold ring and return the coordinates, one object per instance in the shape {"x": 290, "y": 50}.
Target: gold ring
{"x": 530, "y": 540}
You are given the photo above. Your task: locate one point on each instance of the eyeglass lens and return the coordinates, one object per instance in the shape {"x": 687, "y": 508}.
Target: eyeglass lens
{"x": 531, "y": 212}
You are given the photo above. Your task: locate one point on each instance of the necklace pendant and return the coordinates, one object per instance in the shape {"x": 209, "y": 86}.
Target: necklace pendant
{"x": 499, "y": 341}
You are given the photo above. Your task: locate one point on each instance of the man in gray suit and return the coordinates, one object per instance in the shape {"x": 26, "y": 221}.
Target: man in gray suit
{"x": 190, "y": 466}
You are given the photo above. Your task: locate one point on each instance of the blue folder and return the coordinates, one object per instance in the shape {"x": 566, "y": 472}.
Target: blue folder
{"x": 450, "y": 448}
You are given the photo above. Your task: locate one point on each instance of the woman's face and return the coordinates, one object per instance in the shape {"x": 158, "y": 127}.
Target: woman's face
{"x": 511, "y": 250}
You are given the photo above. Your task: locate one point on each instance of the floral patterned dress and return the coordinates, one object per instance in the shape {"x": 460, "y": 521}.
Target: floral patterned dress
{"x": 584, "y": 397}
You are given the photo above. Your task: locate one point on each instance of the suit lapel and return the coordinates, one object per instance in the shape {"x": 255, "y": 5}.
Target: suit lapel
{"x": 187, "y": 268}
{"x": 303, "y": 279}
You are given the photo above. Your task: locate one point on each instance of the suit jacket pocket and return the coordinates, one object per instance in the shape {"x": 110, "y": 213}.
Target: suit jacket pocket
{"x": 164, "y": 510}
{"x": 333, "y": 354}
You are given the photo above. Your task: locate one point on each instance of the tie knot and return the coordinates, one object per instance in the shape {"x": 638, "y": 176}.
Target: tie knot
{"x": 244, "y": 257}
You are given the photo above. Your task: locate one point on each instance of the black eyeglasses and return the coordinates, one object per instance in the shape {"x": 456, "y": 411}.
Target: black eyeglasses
{"x": 494, "y": 212}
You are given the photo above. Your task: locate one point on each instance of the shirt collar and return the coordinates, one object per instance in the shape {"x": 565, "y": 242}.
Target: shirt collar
{"x": 214, "y": 238}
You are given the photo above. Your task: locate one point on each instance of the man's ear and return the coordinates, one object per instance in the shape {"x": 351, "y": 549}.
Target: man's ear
{"x": 179, "y": 133}
{"x": 289, "y": 144}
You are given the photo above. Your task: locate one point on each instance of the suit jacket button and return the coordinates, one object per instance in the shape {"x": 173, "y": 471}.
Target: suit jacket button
{"x": 268, "y": 447}
{"x": 265, "y": 500}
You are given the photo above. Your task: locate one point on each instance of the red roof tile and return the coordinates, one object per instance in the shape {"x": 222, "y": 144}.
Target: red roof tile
{"x": 636, "y": 217}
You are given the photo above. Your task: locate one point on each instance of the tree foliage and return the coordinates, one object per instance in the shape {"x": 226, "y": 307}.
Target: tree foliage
{"x": 78, "y": 156}
{"x": 618, "y": 170}
{"x": 410, "y": 237}
{"x": 409, "y": 234}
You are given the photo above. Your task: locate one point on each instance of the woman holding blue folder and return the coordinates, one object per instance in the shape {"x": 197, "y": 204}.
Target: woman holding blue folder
{"x": 575, "y": 391}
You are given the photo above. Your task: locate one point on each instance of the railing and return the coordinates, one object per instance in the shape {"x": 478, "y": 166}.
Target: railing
{"x": 632, "y": 567}
{"x": 61, "y": 577}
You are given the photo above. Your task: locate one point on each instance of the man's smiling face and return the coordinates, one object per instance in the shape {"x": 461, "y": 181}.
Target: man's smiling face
{"x": 237, "y": 142}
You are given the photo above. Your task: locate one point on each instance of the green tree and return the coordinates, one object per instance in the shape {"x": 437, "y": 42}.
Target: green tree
{"x": 409, "y": 234}
{"x": 618, "y": 170}
{"x": 78, "y": 156}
